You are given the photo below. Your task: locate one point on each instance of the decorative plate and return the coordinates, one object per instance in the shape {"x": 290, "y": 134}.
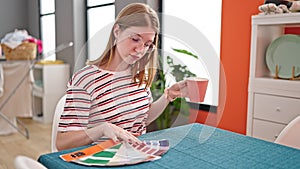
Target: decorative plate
{"x": 284, "y": 52}
{"x": 127, "y": 154}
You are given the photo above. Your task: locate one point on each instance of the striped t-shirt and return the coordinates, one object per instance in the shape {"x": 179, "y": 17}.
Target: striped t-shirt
{"x": 95, "y": 95}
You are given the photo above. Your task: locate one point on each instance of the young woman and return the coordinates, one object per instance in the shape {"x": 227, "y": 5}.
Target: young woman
{"x": 110, "y": 97}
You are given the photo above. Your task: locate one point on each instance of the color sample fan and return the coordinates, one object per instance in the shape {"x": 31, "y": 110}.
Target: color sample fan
{"x": 127, "y": 154}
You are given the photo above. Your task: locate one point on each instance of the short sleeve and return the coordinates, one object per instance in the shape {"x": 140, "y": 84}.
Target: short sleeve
{"x": 76, "y": 110}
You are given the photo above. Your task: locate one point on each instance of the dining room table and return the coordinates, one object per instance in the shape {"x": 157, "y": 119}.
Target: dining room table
{"x": 201, "y": 146}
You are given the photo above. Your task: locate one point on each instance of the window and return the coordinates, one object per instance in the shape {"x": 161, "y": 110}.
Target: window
{"x": 100, "y": 17}
{"x": 47, "y": 27}
{"x": 198, "y": 30}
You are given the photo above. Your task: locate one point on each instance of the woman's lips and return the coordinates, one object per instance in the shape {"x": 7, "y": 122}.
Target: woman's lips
{"x": 135, "y": 57}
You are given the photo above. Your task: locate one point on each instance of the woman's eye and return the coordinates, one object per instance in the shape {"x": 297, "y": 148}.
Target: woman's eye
{"x": 136, "y": 39}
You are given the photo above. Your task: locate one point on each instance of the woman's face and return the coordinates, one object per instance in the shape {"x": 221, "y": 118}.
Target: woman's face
{"x": 133, "y": 43}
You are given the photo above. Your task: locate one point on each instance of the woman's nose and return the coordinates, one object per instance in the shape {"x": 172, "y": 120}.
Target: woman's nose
{"x": 140, "y": 48}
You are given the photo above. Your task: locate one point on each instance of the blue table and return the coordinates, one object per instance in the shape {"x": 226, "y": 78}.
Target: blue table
{"x": 201, "y": 146}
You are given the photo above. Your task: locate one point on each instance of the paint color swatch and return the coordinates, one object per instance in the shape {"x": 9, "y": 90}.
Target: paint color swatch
{"x": 126, "y": 154}
{"x": 88, "y": 151}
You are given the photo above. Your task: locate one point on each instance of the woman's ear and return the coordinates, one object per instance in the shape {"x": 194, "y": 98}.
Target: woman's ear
{"x": 116, "y": 30}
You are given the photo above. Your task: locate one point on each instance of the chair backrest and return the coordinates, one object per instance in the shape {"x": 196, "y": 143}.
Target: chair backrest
{"x": 290, "y": 135}
{"x": 24, "y": 162}
{"x": 58, "y": 111}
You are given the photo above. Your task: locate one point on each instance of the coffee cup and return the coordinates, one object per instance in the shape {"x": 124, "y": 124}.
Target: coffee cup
{"x": 197, "y": 88}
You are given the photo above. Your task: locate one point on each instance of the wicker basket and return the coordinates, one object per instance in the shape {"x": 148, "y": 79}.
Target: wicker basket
{"x": 25, "y": 51}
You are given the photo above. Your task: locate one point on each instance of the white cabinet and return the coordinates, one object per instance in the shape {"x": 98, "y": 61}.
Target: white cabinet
{"x": 272, "y": 103}
{"x": 49, "y": 85}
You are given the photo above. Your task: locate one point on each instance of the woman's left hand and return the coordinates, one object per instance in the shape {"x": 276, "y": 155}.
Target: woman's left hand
{"x": 178, "y": 89}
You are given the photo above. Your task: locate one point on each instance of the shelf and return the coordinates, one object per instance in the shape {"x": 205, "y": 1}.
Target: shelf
{"x": 278, "y": 83}
{"x": 49, "y": 85}
{"x": 37, "y": 118}
{"x": 38, "y": 88}
{"x": 38, "y": 66}
{"x": 37, "y": 93}
{"x": 276, "y": 19}
{"x": 265, "y": 29}
{"x": 273, "y": 86}
{"x": 272, "y": 103}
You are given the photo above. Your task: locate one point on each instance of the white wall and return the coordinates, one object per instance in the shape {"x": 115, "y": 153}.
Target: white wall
{"x": 70, "y": 27}
{"x": 33, "y": 18}
{"x": 120, "y": 4}
{"x": 13, "y": 15}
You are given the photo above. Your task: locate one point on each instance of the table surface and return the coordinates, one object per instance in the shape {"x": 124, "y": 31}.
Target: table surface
{"x": 201, "y": 146}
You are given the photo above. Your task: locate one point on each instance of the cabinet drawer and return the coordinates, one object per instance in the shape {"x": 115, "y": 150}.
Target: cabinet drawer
{"x": 276, "y": 108}
{"x": 266, "y": 130}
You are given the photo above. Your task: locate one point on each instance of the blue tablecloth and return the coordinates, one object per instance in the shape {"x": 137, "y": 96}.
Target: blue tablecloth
{"x": 201, "y": 146}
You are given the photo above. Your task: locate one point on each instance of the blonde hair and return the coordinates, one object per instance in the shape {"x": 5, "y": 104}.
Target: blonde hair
{"x": 138, "y": 15}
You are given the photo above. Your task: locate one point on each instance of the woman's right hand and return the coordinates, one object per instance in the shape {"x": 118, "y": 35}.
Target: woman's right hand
{"x": 117, "y": 133}
{"x": 72, "y": 139}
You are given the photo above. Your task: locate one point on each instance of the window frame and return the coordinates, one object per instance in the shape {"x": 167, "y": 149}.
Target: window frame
{"x": 210, "y": 105}
{"x": 87, "y": 8}
{"x": 40, "y": 24}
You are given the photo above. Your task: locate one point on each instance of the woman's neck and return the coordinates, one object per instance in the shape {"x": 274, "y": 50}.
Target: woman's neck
{"x": 117, "y": 64}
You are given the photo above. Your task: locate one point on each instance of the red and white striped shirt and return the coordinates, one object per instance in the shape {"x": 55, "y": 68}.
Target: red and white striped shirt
{"x": 95, "y": 95}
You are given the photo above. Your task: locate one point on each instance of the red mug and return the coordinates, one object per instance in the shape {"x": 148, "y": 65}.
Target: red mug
{"x": 197, "y": 88}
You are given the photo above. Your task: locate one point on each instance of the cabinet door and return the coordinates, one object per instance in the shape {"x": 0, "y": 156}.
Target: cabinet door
{"x": 276, "y": 108}
{"x": 266, "y": 130}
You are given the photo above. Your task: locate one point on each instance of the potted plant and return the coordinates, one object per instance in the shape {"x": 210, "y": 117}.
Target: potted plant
{"x": 178, "y": 106}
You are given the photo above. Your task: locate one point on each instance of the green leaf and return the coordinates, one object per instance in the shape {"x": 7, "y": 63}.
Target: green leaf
{"x": 179, "y": 106}
{"x": 185, "y": 52}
